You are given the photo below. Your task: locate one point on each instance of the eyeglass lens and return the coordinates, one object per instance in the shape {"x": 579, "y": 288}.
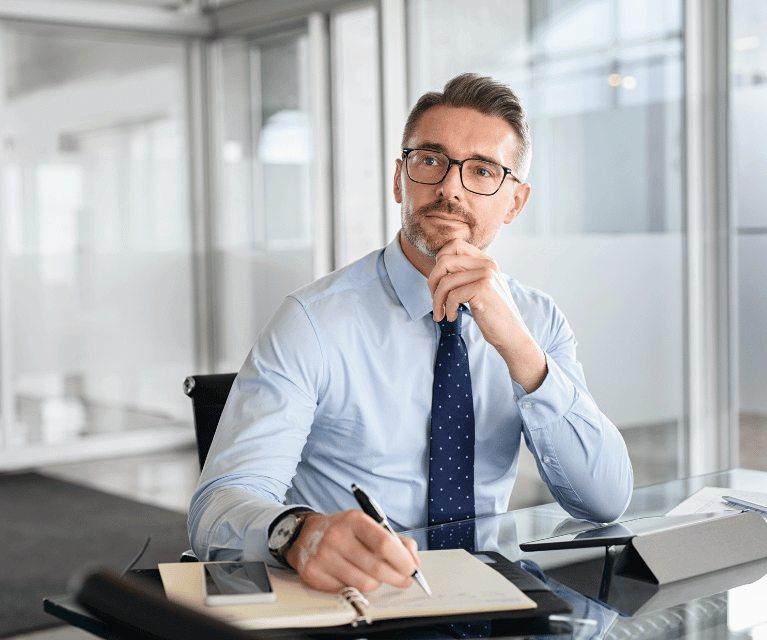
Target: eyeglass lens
{"x": 431, "y": 167}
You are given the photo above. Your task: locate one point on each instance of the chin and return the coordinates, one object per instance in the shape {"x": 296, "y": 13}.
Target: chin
{"x": 430, "y": 242}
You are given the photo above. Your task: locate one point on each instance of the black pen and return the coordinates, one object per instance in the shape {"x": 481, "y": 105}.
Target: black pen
{"x": 373, "y": 509}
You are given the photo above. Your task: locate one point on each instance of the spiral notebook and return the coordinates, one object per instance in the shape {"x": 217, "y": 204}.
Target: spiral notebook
{"x": 463, "y": 588}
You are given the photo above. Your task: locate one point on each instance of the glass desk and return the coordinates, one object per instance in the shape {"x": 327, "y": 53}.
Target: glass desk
{"x": 724, "y": 605}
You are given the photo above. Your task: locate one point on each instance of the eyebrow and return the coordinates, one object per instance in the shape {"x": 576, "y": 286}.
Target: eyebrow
{"x": 436, "y": 146}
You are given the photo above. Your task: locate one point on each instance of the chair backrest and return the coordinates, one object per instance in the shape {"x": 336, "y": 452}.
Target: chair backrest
{"x": 208, "y": 393}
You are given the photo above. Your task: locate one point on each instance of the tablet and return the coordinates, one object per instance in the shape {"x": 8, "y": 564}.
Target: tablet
{"x": 614, "y": 534}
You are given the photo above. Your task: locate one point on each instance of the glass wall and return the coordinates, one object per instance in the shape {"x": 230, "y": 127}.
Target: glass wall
{"x": 271, "y": 122}
{"x": 602, "y": 84}
{"x": 96, "y": 290}
{"x": 357, "y": 175}
{"x": 748, "y": 97}
{"x": 264, "y": 231}
{"x": 96, "y": 323}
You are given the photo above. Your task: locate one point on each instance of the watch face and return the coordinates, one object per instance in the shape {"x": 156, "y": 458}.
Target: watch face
{"x": 282, "y": 531}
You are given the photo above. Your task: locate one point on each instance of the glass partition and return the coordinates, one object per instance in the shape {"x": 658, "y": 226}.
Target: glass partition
{"x": 357, "y": 125}
{"x": 602, "y": 83}
{"x": 95, "y": 240}
{"x": 264, "y": 231}
{"x": 748, "y": 97}
{"x": 270, "y": 115}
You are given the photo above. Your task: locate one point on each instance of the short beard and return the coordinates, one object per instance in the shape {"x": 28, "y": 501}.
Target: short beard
{"x": 414, "y": 231}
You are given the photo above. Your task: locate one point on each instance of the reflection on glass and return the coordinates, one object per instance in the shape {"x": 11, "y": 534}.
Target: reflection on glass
{"x": 96, "y": 233}
{"x": 601, "y": 81}
{"x": 357, "y": 124}
{"x": 264, "y": 234}
{"x": 748, "y": 95}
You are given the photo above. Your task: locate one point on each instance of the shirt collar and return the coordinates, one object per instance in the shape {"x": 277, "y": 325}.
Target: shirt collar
{"x": 409, "y": 284}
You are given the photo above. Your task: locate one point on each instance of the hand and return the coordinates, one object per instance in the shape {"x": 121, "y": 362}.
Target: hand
{"x": 464, "y": 274}
{"x": 350, "y": 549}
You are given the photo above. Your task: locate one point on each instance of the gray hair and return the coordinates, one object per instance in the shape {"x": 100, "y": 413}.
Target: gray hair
{"x": 487, "y": 96}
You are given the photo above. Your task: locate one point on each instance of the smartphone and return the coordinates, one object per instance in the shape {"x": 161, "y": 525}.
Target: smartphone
{"x": 237, "y": 583}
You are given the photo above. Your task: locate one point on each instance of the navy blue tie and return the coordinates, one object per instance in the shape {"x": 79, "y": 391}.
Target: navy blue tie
{"x": 451, "y": 457}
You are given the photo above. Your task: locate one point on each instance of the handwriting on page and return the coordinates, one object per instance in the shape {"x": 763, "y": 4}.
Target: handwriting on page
{"x": 437, "y": 602}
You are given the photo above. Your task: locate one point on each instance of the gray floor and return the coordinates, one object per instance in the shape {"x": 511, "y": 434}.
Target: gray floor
{"x": 168, "y": 479}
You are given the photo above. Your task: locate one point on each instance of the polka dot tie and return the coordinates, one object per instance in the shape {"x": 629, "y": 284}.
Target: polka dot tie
{"x": 451, "y": 457}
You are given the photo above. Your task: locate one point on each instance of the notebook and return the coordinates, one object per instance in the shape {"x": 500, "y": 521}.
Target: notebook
{"x": 463, "y": 586}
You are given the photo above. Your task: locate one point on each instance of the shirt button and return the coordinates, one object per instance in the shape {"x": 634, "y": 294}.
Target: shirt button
{"x": 526, "y": 405}
{"x": 516, "y": 397}
{"x": 546, "y": 460}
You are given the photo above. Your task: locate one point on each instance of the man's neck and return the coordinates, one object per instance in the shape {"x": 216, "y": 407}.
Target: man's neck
{"x": 423, "y": 263}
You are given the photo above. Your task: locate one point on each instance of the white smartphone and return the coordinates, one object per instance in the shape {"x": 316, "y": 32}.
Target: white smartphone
{"x": 237, "y": 583}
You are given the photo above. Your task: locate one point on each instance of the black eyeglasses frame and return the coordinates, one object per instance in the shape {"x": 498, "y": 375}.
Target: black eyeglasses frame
{"x": 451, "y": 162}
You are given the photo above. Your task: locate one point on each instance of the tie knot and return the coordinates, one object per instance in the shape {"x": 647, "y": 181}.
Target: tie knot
{"x": 451, "y": 328}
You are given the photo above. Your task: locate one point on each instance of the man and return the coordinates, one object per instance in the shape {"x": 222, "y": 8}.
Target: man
{"x": 339, "y": 385}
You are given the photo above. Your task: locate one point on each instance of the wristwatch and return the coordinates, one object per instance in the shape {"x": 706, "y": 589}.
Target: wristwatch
{"x": 284, "y": 533}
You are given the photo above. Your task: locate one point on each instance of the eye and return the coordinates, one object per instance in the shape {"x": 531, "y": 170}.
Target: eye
{"x": 484, "y": 170}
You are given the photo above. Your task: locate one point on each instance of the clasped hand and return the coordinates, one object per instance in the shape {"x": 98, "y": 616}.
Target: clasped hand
{"x": 465, "y": 275}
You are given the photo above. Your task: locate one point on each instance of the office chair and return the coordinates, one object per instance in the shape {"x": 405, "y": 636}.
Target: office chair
{"x": 208, "y": 393}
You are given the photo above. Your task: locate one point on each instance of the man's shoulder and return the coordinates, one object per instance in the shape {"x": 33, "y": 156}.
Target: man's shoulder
{"x": 520, "y": 290}
{"x": 351, "y": 280}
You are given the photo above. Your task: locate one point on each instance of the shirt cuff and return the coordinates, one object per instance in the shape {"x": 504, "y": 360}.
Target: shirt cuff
{"x": 549, "y": 402}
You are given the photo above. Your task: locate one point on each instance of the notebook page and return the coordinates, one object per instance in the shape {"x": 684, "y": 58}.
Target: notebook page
{"x": 460, "y": 583}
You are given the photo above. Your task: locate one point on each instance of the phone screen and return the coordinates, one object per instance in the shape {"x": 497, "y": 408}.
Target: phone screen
{"x": 237, "y": 583}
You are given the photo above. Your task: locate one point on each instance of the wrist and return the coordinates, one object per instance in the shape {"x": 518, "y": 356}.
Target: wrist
{"x": 303, "y": 540}
{"x": 284, "y": 532}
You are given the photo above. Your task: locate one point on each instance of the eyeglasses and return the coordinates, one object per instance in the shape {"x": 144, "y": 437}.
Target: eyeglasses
{"x": 482, "y": 177}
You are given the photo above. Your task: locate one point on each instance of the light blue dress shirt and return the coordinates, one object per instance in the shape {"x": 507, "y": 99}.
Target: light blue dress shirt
{"x": 337, "y": 389}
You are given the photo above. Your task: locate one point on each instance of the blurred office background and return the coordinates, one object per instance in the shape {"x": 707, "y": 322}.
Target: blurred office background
{"x": 170, "y": 169}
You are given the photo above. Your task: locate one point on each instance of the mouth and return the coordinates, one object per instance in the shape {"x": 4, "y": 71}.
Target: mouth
{"x": 446, "y": 219}
{"x": 447, "y": 213}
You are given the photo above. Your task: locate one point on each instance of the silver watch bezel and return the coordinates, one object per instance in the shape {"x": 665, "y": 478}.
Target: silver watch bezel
{"x": 283, "y": 531}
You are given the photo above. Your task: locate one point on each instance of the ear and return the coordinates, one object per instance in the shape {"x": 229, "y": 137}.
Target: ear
{"x": 398, "y": 182}
{"x": 521, "y": 194}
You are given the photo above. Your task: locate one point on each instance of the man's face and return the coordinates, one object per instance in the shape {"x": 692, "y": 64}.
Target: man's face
{"x": 432, "y": 215}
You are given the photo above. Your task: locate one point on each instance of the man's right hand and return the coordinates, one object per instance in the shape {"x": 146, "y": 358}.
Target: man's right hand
{"x": 350, "y": 549}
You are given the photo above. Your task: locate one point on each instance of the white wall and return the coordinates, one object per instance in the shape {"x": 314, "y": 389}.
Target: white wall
{"x": 625, "y": 310}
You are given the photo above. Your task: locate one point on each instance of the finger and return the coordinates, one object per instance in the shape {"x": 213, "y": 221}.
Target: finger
{"x": 456, "y": 246}
{"x": 412, "y": 546}
{"x": 453, "y": 290}
{"x": 389, "y": 549}
{"x": 332, "y": 571}
{"x": 454, "y": 264}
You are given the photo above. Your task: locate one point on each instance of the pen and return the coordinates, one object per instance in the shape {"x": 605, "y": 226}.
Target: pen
{"x": 373, "y": 509}
{"x": 751, "y": 506}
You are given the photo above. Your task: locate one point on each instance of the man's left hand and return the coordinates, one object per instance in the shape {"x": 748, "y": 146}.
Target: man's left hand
{"x": 465, "y": 275}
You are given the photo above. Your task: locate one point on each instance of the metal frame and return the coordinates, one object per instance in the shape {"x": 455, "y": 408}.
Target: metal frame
{"x": 202, "y": 200}
{"x": 6, "y": 345}
{"x": 394, "y": 83}
{"x": 322, "y": 182}
{"x": 711, "y": 311}
{"x": 111, "y": 15}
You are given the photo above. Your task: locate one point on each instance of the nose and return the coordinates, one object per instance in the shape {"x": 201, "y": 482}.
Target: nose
{"x": 451, "y": 186}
